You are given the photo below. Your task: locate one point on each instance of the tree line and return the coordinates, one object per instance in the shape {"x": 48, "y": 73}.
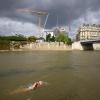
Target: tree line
{"x": 6, "y": 42}
{"x": 60, "y": 37}
{"x": 18, "y": 39}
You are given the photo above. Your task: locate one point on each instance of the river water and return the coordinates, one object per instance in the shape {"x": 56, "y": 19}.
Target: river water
{"x": 71, "y": 75}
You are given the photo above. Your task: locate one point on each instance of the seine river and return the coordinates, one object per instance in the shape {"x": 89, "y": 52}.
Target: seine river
{"x": 71, "y": 75}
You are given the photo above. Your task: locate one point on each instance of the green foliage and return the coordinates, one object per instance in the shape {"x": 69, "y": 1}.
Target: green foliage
{"x": 8, "y": 41}
{"x": 4, "y": 42}
{"x": 13, "y": 38}
{"x": 32, "y": 39}
{"x": 17, "y": 38}
{"x": 69, "y": 41}
{"x": 61, "y": 37}
{"x": 50, "y": 38}
{"x": 15, "y": 41}
{"x": 4, "y": 45}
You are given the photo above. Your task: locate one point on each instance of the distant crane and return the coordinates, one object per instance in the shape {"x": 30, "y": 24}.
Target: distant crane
{"x": 40, "y": 14}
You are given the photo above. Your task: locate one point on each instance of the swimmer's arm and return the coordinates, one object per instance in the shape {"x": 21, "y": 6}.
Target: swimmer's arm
{"x": 21, "y": 90}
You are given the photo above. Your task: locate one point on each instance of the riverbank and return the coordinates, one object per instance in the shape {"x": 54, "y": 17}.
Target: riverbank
{"x": 46, "y": 46}
{"x": 42, "y": 46}
{"x": 37, "y": 49}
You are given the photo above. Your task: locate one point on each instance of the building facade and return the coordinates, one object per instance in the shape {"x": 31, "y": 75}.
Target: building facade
{"x": 58, "y": 30}
{"x": 55, "y": 31}
{"x": 88, "y": 32}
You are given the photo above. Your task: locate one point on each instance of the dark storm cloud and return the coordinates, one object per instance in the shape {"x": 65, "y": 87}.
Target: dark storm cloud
{"x": 66, "y": 10}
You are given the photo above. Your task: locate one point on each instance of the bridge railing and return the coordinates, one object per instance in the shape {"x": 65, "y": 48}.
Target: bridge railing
{"x": 92, "y": 39}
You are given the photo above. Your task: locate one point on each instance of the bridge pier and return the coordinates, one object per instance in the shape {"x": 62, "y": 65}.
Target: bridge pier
{"x": 96, "y": 46}
{"x": 88, "y": 46}
{"x": 82, "y": 46}
{"x": 77, "y": 46}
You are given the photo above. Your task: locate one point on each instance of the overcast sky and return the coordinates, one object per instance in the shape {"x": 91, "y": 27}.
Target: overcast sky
{"x": 70, "y": 13}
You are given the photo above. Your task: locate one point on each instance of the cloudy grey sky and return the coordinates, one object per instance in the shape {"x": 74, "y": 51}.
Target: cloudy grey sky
{"x": 70, "y": 13}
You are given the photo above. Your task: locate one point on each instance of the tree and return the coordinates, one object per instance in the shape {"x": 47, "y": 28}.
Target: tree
{"x": 62, "y": 37}
{"x": 32, "y": 39}
{"x": 16, "y": 37}
{"x": 48, "y": 37}
{"x": 69, "y": 41}
{"x": 52, "y": 39}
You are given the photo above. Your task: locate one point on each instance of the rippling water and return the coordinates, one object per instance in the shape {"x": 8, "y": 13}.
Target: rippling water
{"x": 72, "y": 75}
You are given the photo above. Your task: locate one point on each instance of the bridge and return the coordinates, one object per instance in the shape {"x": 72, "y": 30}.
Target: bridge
{"x": 90, "y": 41}
{"x": 85, "y": 44}
{"x": 88, "y": 44}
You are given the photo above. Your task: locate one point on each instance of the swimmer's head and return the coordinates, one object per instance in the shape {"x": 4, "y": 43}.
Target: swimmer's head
{"x": 41, "y": 82}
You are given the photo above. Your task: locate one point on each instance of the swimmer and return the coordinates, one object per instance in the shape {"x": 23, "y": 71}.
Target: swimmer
{"x": 34, "y": 86}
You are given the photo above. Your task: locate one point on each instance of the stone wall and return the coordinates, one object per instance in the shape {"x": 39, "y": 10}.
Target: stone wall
{"x": 96, "y": 46}
{"x": 77, "y": 46}
{"x": 46, "y": 46}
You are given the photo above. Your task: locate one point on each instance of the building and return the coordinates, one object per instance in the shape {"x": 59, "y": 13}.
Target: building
{"x": 55, "y": 31}
{"x": 58, "y": 30}
{"x": 88, "y": 32}
{"x": 46, "y": 32}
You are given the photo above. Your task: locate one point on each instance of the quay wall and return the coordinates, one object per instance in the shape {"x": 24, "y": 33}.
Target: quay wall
{"x": 77, "y": 46}
{"x": 96, "y": 46}
{"x": 46, "y": 46}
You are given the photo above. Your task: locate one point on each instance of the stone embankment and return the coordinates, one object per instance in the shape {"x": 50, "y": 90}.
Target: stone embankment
{"x": 46, "y": 46}
{"x": 96, "y": 46}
